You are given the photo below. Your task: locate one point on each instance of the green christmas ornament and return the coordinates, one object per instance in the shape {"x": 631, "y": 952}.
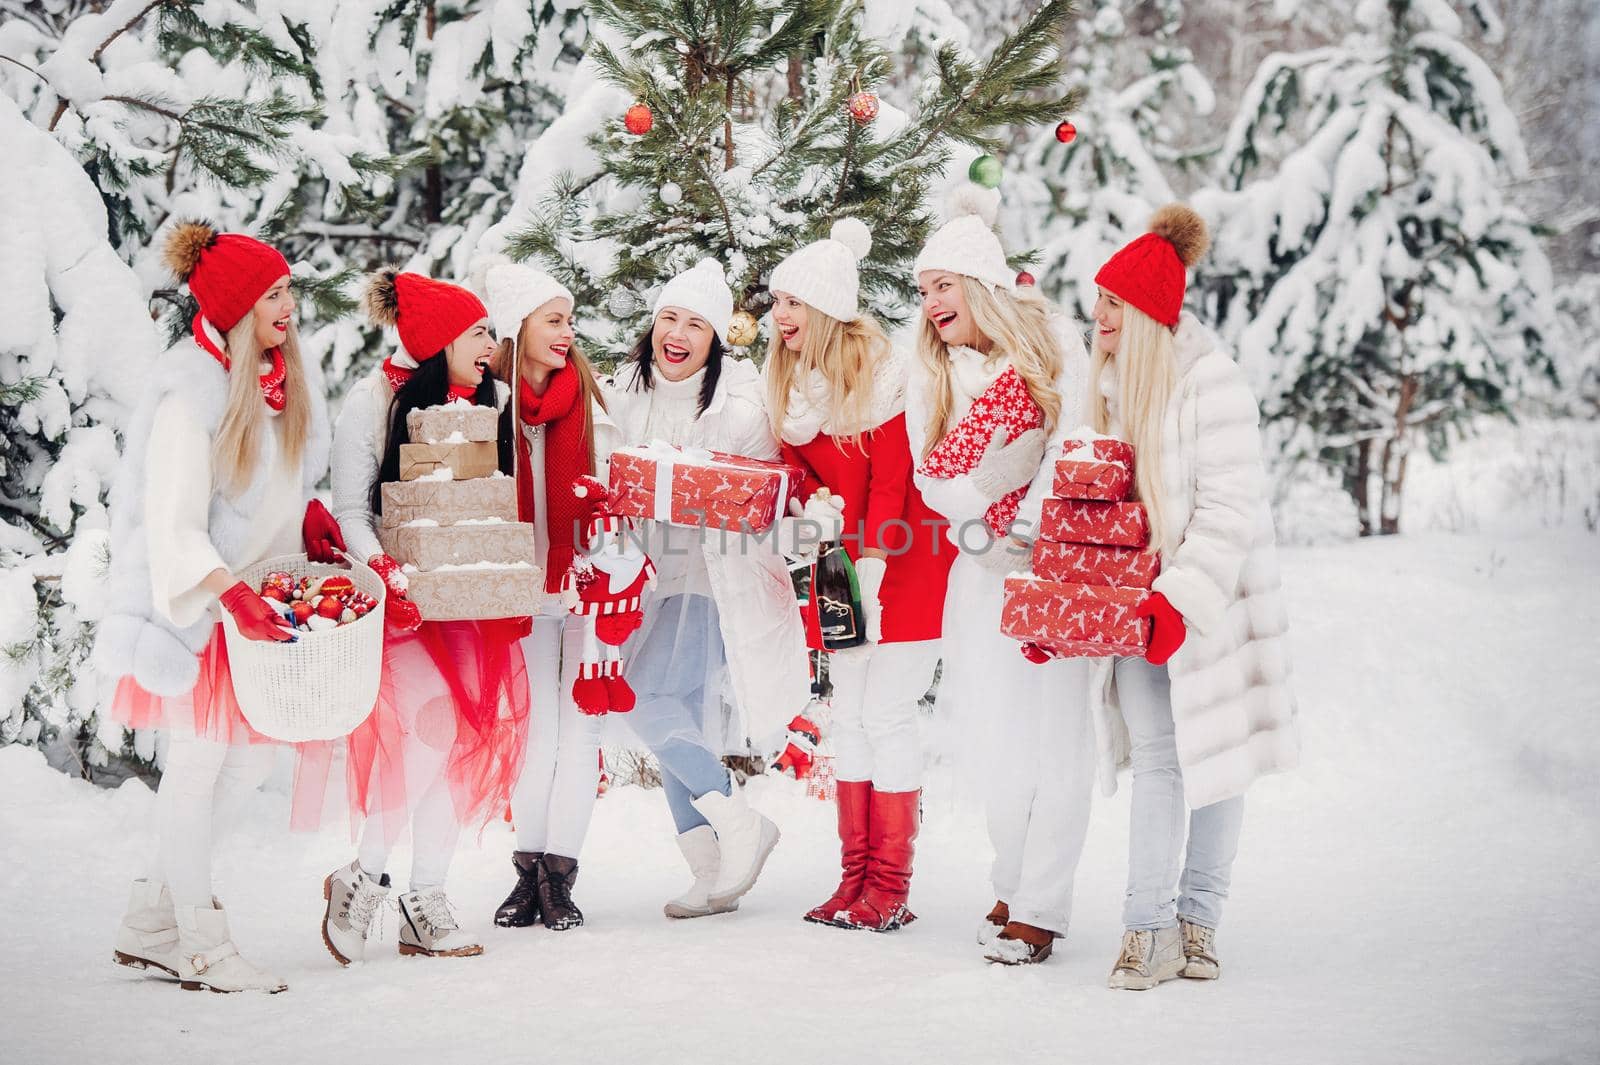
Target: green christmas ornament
{"x": 985, "y": 170}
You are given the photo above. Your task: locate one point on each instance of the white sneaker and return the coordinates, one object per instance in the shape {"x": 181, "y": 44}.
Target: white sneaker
{"x": 699, "y": 847}
{"x": 428, "y": 927}
{"x": 147, "y": 938}
{"x": 207, "y": 958}
{"x": 744, "y": 839}
{"x": 353, "y": 897}
{"x": 1148, "y": 957}
{"x": 1199, "y": 951}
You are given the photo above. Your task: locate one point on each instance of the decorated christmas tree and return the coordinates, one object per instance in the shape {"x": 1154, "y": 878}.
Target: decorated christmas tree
{"x": 1380, "y": 290}
{"x": 739, "y": 130}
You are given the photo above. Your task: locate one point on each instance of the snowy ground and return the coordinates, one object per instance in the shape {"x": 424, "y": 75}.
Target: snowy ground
{"x": 1421, "y": 891}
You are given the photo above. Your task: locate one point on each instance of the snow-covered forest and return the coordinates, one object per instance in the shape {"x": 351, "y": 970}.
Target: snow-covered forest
{"x": 1406, "y": 261}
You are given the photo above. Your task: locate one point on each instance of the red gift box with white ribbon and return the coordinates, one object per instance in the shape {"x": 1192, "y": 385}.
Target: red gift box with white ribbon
{"x": 691, "y": 486}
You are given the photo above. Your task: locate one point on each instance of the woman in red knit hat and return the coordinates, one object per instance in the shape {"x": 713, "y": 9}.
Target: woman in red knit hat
{"x": 219, "y": 460}
{"x": 1208, "y": 709}
{"x": 443, "y": 745}
{"x": 836, "y": 396}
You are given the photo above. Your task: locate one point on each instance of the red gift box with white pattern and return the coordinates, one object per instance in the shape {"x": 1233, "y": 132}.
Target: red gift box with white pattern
{"x": 708, "y": 488}
{"x": 1099, "y": 468}
{"x": 1080, "y": 521}
{"x": 1075, "y": 620}
{"x": 1004, "y": 404}
{"x": 1123, "y": 567}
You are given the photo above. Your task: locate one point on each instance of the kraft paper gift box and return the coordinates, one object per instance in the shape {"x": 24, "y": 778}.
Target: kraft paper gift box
{"x": 447, "y": 502}
{"x": 689, "y": 486}
{"x": 464, "y": 461}
{"x": 1074, "y": 620}
{"x": 453, "y": 423}
{"x": 476, "y": 592}
{"x": 429, "y": 547}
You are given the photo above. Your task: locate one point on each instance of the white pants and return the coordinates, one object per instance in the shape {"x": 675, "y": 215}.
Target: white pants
{"x": 876, "y": 688}
{"x": 555, "y": 794}
{"x": 434, "y": 826}
{"x": 202, "y": 786}
{"x": 1030, "y": 730}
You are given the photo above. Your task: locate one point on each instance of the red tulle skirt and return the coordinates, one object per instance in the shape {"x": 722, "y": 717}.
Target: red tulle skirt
{"x": 210, "y": 709}
{"x": 459, "y": 687}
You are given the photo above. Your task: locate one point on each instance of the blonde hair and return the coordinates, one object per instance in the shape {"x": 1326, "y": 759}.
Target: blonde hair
{"x": 846, "y": 354}
{"x": 1018, "y": 325}
{"x": 237, "y": 446}
{"x": 1146, "y": 367}
{"x": 506, "y": 364}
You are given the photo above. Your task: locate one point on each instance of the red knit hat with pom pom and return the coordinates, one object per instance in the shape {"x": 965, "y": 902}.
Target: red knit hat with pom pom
{"x": 1151, "y": 271}
{"x": 226, "y": 272}
{"x": 428, "y": 314}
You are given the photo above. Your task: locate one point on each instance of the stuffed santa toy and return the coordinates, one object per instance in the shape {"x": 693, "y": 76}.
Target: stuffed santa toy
{"x": 604, "y": 587}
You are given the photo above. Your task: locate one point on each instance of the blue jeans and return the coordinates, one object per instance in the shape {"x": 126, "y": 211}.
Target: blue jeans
{"x": 669, "y": 673}
{"x": 1156, "y": 829}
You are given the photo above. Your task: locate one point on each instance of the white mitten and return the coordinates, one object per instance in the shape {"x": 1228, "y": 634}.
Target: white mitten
{"x": 869, "y": 574}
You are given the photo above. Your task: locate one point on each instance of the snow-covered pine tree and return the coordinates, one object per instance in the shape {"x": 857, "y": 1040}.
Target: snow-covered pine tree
{"x": 752, "y": 148}
{"x": 1079, "y": 201}
{"x": 1379, "y": 288}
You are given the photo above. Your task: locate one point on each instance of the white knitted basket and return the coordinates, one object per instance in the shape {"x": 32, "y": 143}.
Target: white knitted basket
{"x": 325, "y": 683}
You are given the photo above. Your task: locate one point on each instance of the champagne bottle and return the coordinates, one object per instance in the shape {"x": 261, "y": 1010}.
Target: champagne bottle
{"x": 837, "y": 593}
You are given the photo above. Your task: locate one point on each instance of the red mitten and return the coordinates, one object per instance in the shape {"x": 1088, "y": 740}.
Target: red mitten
{"x": 1167, "y": 630}
{"x": 398, "y": 609}
{"x": 589, "y": 690}
{"x": 320, "y": 534}
{"x": 1037, "y": 654}
{"x": 257, "y": 619}
{"x": 614, "y": 629}
{"x": 794, "y": 761}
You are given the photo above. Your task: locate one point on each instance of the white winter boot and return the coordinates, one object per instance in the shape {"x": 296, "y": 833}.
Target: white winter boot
{"x": 699, "y": 847}
{"x": 744, "y": 839}
{"x": 428, "y": 927}
{"x": 1199, "y": 951}
{"x": 208, "y": 959}
{"x": 1148, "y": 957}
{"x": 148, "y": 935}
{"x": 353, "y": 897}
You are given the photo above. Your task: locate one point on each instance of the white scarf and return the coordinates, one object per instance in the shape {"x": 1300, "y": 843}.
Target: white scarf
{"x": 971, "y": 374}
{"x": 807, "y": 412}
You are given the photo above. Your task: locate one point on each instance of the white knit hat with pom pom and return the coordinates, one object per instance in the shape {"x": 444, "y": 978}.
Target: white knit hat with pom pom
{"x": 513, "y": 291}
{"x": 823, "y": 274}
{"x": 702, "y": 289}
{"x": 966, "y": 244}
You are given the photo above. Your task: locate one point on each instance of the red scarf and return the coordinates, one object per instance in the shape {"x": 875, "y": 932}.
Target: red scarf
{"x": 399, "y": 375}
{"x": 271, "y": 381}
{"x": 566, "y": 458}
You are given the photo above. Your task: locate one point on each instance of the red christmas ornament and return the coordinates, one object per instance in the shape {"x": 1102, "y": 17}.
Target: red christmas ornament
{"x": 1066, "y": 132}
{"x": 638, "y": 120}
{"x": 1025, "y": 278}
{"x": 272, "y": 591}
{"x": 337, "y": 585}
{"x": 863, "y": 107}
{"x": 302, "y": 612}
{"x": 329, "y": 607}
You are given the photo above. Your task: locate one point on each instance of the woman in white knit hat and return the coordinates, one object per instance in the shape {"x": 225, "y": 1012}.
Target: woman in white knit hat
{"x": 836, "y": 397}
{"x": 562, "y": 433}
{"x": 1025, "y": 726}
{"x": 722, "y": 612}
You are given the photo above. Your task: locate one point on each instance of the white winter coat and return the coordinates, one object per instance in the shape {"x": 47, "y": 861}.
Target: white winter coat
{"x": 759, "y": 619}
{"x": 143, "y": 637}
{"x": 1232, "y": 707}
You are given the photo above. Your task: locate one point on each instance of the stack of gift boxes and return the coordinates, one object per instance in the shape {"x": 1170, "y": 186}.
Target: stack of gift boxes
{"x": 451, "y": 520}
{"x": 1089, "y": 568}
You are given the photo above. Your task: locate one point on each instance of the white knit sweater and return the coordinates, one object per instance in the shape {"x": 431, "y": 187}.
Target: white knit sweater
{"x": 676, "y": 550}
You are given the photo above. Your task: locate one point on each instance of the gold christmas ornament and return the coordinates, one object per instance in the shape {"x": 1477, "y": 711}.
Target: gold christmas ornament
{"x": 742, "y": 329}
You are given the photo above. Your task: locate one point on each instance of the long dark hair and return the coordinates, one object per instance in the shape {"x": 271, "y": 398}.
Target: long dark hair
{"x": 642, "y": 355}
{"x": 428, "y": 386}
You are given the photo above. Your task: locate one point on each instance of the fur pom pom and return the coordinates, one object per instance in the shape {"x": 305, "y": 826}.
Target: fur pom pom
{"x": 184, "y": 245}
{"x": 972, "y": 198}
{"x": 853, "y": 234}
{"x": 1185, "y": 229}
{"x": 478, "y": 270}
{"x": 379, "y": 299}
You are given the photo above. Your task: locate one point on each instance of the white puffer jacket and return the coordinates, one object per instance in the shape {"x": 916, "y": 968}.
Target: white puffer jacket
{"x": 139, "y": 636}
{"x": 758, "y": 616}
{"x": 1232, "y": 706}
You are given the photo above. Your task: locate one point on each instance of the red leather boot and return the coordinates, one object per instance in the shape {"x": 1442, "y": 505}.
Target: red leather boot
{"x": 854, "y": 800}
{"x": 893, "y": 831}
